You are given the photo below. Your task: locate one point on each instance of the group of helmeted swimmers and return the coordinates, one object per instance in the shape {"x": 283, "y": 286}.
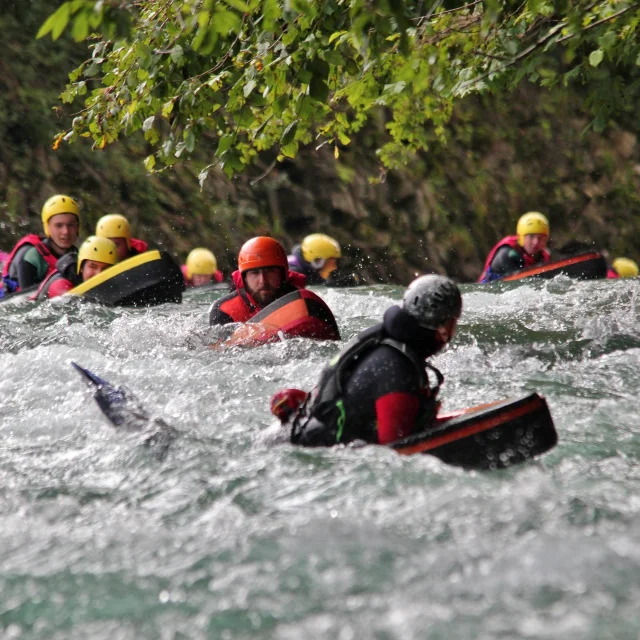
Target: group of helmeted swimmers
{"x": 379, "y": 389}
{"x": 53, "y": 265}
{"x": 53, "y": 261}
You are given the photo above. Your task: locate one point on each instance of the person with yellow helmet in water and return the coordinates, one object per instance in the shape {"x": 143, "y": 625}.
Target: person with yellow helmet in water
{"x": 96, "y": 254}
{"x": 201, "y": 268}
{"x": 116, "y": 228}
{"x": 35, "y": 257}
{"x": 623, "y": 268}
{"x": 317, "y": 257}
{"x": 526, "y": 249}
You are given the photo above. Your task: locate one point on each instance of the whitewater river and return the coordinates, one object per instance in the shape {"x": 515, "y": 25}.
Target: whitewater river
{"x": 227, "y": 537}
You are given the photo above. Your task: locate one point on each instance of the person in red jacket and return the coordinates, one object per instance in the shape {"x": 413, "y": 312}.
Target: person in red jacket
{"x": 35, "y": 257}
{"x": 514, "y": 253}
{"x": 263, "y": 276}
{"x": 117, "y": 229}
{"x": 96, "y": 254}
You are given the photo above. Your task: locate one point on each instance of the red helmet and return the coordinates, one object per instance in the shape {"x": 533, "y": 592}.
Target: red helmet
{"x": 261, "y": 252}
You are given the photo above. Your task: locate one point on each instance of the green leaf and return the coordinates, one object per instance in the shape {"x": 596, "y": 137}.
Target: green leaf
{"x": 56, "y": 22}
{"x": 344, "y": 139}
{"x": 242, "y": 7}
{"x": 289, "y": 36}
{"x": 289, "y": 134}
{"x": 225, "y": 22}
{"x": 148, "y": 123}
{"x": 80, "y": 28}
{"x": 224, "y": 144}
{"x": 289, "y": 150}
{"x": 248, "y": 88}
{"x": 596, "y": 57}
{"x": 177, "y": 54}
{"x": 167, "y": 108}
{"x": 189, "y": 140}
{"x": 92, "y": 70}
{"x": 271, "y": 13}
{"x": 245, "y": 117}
{"x": 352, "y": 67}
{"x": 149, "y": 163}
{"x": 320, "y": 68}
{"x": 334, "y": 58}
{"x": 305, "y": 76}
{"x": 608, "y": 39}
{"x": 318, "y": 89}
{"x": 280, "y": 105}
{"x": 336, "y": 35}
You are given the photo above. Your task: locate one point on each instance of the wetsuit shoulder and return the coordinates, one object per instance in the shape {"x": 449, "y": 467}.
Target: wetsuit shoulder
{"x": 507, "y": 260}
{"x": 32, "y": 268}
{"x": 386, "y": 370}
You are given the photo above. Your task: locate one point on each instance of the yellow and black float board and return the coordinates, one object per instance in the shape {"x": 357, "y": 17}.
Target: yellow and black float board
{"x": 148, "y": 279}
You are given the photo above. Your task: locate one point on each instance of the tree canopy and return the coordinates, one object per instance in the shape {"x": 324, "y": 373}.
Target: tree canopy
{"x": 258, "y": 75}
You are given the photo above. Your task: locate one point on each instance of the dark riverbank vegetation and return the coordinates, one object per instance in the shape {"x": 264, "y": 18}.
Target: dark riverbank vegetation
{"x": 414, "y": 133}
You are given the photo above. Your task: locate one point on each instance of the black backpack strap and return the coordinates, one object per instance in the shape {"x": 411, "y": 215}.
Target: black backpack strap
{"x": 439, "y": 377}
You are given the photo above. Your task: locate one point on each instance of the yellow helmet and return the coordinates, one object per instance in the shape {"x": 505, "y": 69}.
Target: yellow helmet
{"x": 625, "y": 268}
{"x": 319, "y": 247}
{"x": 56, "y": 205}
{"x": 201, "y": 262}
{"x": 98, "y": 249}
{"x": 114, "y": 226}
{"x": 532, "y": 222}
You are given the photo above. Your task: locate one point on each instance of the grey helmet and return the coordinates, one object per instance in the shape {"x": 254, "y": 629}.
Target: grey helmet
{"x": 432, "y": 300}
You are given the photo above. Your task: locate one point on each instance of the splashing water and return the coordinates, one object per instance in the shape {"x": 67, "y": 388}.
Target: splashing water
{"x": 229, "y": 538}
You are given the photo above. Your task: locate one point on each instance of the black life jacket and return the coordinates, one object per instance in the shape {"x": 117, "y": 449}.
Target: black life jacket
{"x": 322, "y": 420}
{"x": 66, "y": 268}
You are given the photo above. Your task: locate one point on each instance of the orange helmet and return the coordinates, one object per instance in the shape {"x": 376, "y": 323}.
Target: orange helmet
{"x": 262, "y": 252}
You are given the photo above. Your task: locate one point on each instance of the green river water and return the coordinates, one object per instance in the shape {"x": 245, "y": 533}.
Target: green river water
{"x": 227, "y": 537}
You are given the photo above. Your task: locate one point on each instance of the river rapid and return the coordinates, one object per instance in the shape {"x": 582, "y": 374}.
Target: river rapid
{"x": 227, "y": 537}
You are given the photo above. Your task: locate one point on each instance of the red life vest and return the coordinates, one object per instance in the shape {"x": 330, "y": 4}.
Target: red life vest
{"x": 242, "y": 306}
{"x": 512, "y": 241}
{"x": 139, "y": 245}
{"x": 37, "y": 242}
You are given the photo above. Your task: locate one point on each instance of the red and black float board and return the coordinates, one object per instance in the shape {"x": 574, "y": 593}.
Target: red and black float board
{"x": 586, "y": 266}
{"x": 299, "y": 314}
{"x": 488, "y": 436}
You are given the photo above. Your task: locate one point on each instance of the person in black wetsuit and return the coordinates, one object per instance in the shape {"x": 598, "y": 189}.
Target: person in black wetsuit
{"x": 378, "y": 389}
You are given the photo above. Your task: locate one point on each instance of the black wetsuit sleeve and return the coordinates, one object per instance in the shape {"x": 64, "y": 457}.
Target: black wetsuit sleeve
{"x": 217, "y": 316}
{"x": 27, "y": 274}
{"x": 507, "y": 260}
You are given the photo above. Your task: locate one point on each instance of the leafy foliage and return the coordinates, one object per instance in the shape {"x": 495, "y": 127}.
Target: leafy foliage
{"x": 262, "y": 74}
